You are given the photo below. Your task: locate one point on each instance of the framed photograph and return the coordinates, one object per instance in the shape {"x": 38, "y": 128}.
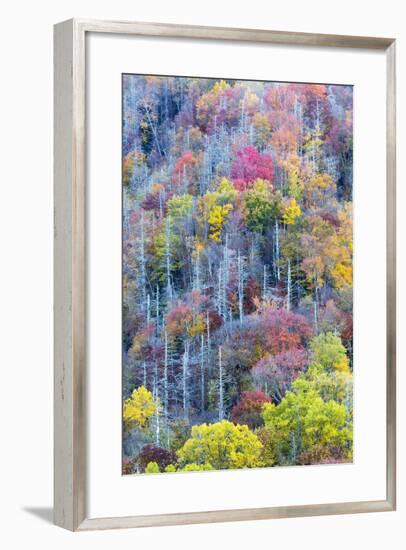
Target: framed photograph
{"x": 224, "y": 274}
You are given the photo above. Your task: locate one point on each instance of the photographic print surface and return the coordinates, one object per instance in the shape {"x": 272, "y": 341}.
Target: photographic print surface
{"x": 237, "y": 274}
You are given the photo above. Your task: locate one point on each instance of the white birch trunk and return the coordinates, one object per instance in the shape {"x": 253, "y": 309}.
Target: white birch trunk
{"x": 168, "y": 259}
{"x": 166, "y": 391}
{"x": 142, "y": 257}
{"x": 185, "y": 369}
{"x": 315, "y": 312}
{"x": 240, "y": 287}
{"x": 197, "y": 272}
{"x": 242, "y": 119}
{"x": 278, "y": 269}
{"x": 221, "y": 389}
{"x": 161, "y": 205}
{"x": 202, "y": 381}
{"x": 265, "y": 284}
{"x": 219, "y": 289}
{"x": 184, "y": 180}
{"x": 208, "y": 344}
{"x": 157, "y": 309}
{"x": 148, "y": 309}
{"x": 156, "y": 396}
{"x": 226, "y": 267}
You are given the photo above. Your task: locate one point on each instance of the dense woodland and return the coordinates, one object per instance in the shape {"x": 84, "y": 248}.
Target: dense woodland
{"x": 237, "y": 274}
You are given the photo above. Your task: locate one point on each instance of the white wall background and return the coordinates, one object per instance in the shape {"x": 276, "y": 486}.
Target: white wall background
{"x": 26, "y": 273}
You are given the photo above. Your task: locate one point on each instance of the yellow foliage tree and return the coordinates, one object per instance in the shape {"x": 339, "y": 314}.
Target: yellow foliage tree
{"x": 318, "y": 190}
{"x": 303, "y": 418}
{"x": 292, "y": 212}
{"x": 329, "y": 352}
{"x": 340, "y": 251}
{"x": 262, "y": 127}
{"x": 152, "y": 468}
{"x": 138, "y": 409}
{"x": 295, "y": 183}
{"x": 215, "y": 207}
{"x": 250, "y": 102}
{"x": 342, "y": 274}
{"x": 224, "y": 445}
{"x": 217, "y": 218}
{"x": 335, "y": 384}
{"x": 220, "y": 86}
{"x": 198, "y": 326}
{"x": 226, "y": 192}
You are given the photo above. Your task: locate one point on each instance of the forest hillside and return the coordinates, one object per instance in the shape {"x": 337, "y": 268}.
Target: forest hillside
{"x": 237, "y": 274}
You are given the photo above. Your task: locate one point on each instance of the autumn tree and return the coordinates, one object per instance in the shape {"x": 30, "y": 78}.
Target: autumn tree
{"x": 329, "y": 353}
{"x": 151, "y": 453}
{"x": 305, "y": 421}
{"x": 223, "y": 445}
{"x": 262, "y": 206}
{"x": 275, "y": 373}
{"x": 139, "y": 408}
{"x": 250, "y": 165}
{"x": 249, "y": 409}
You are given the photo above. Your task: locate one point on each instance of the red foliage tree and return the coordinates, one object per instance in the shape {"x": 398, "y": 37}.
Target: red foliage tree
{"x": 248, "y": 409}
{"x": 281, "y": 97}
{"x": 152, "y": 453}
{"x": 252, "y": 291}
{"x": 184, "y": 173}
{"x": 275, "y": 373}
{"x": 284, "y": 142}
{"x": 215, "y": 321}
{"x": 283, "y": 330}
{"x": 250, "y": 165}
{"x": 179, "y": 319}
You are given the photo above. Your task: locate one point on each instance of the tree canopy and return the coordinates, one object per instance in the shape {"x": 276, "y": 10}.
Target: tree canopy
{"x": 237, "y": 264}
